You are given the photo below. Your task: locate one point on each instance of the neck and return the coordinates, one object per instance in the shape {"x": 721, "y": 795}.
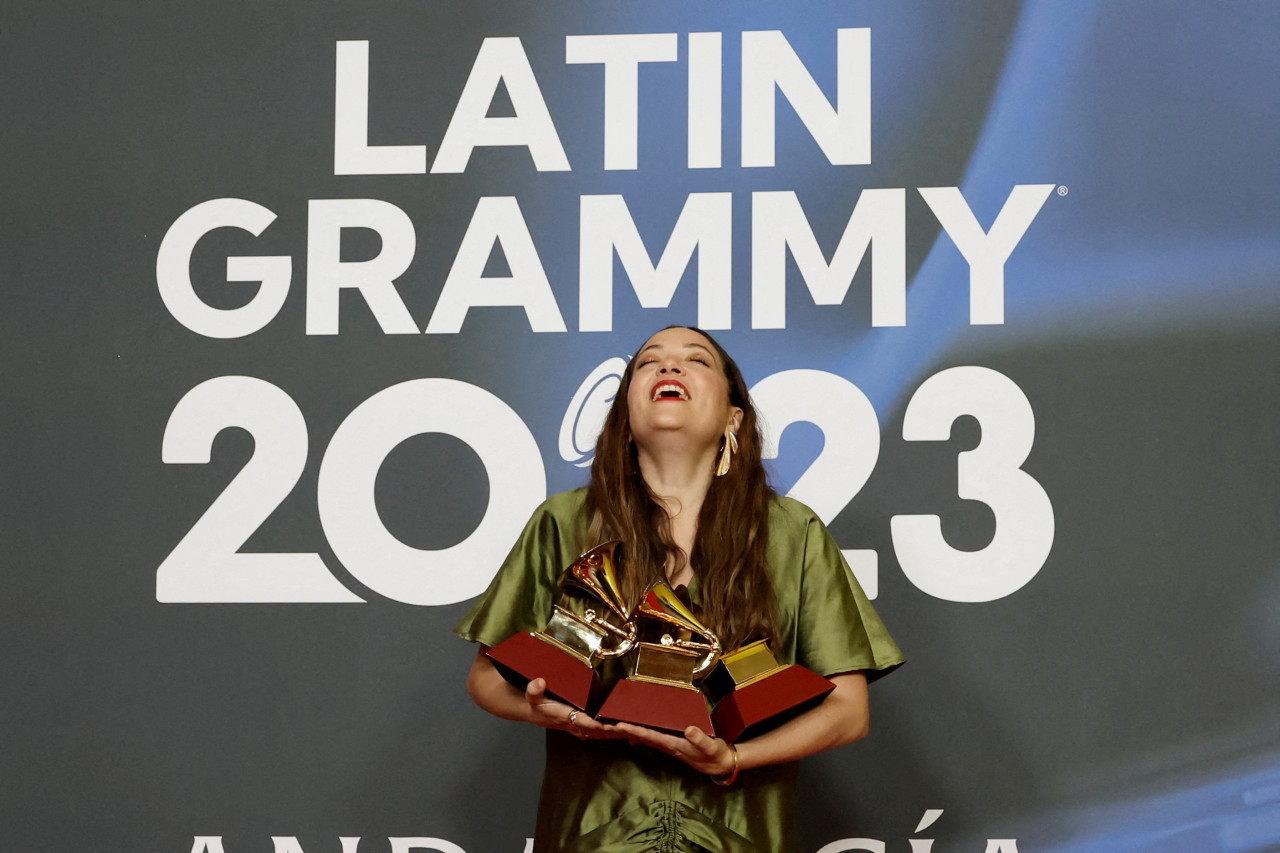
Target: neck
{"x": 680, "y": 480}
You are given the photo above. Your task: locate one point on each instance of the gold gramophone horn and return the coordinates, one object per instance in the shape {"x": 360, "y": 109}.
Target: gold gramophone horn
{"x": 596, "y": 573}
{"x": 660, "y": 602}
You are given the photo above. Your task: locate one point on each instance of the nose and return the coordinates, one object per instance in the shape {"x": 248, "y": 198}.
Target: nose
{"x": 669, "y": 367}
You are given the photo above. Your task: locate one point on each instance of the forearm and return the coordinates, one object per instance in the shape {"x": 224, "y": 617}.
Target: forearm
{"x": 495, "y": 694}
{"x": 841, "y": 718}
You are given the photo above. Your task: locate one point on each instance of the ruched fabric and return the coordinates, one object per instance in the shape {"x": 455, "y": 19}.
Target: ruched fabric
{"x": 662, "y": 827}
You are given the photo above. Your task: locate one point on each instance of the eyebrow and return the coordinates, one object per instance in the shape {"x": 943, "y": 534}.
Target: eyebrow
{"x": 686, "y": 346}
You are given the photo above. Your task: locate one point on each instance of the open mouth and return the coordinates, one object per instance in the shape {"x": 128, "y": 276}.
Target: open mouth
{"x": 669, "y": 390}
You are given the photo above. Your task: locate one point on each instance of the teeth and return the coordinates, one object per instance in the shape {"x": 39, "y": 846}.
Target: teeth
{"x": 661, "y": 389}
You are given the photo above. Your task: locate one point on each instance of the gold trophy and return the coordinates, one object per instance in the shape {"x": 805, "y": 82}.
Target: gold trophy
{"x": 758, "y": 693}
{"x": 674, "y": 650}
{"x": 565, "y": 652}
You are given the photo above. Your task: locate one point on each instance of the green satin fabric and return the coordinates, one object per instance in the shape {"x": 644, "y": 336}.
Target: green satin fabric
{"x": 614, "y": 797}
{"x": 611, "y": 796}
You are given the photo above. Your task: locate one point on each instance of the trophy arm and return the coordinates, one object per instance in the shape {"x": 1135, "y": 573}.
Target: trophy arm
{"x": 713, "y": 656}
{"x": 711, "y": 649}
{"x": 628, "y": 639}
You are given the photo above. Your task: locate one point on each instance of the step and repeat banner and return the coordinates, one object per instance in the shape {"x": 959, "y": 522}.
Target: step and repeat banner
{"x": 308, "y": 305}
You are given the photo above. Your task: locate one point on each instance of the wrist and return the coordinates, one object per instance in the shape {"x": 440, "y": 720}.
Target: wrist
{"x": 729, "y": 777}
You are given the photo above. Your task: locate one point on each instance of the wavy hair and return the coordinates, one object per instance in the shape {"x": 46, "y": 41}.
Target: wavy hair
{"x": 729, "y": 553}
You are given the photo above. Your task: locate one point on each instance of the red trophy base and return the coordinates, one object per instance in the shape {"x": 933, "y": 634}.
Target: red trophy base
{"x": 525, "y": 656}
{"x": 658, "y": 706}
{"x": 771, "y": 701}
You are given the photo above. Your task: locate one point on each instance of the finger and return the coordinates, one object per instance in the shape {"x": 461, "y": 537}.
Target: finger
{"x": 701, "y": 741}
{"x": 642, "y": 734}
{"x": 599, "y": 730}
{"x": 585, "y": 726}
{"x": 669, "y": 744}
{"x": 546, "y": 711}
{"x": 635, "y": 734}
{"x": 591, "y": 724}
{"x": 642, "y": 730}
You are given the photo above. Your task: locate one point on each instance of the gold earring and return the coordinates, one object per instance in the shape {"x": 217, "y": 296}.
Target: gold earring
{"x": 727, "y": 450}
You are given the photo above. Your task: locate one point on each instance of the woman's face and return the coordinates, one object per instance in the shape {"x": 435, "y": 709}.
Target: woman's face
{"x": 678, "y": 388}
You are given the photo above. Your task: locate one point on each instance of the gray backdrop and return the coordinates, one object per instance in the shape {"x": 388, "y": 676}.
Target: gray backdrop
{"x": 1121, "y": 696}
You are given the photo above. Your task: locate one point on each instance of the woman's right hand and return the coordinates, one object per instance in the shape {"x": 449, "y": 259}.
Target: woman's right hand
{"x": 501, "y": 698}
{"x": 553, "y": 714}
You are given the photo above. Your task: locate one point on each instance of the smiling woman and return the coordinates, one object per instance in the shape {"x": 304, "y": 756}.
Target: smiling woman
{"x": 681, "y": 410}
{"x": 678, "y": 479}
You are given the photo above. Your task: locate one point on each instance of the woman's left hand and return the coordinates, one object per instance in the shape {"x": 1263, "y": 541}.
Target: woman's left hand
{"x": 710, "y": 755}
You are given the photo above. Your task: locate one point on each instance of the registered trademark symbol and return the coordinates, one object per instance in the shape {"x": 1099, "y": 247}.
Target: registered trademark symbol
{"x": 1062, "y": 190}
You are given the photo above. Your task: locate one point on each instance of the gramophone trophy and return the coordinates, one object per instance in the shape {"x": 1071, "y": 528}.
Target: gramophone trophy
{"x": 659, "y": 693}
{"x": 759, "y": 693}
{"x": 565, "y": 652}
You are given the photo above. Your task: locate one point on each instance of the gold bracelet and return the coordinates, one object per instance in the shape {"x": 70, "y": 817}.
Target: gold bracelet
{"x": 728, "y": 780}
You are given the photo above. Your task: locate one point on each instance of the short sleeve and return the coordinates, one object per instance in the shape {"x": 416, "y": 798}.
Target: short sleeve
{"x": 523, "y": 592}
{"x": 836, "y": 628}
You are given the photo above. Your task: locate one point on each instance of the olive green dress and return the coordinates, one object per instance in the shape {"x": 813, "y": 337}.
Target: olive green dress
{"x": 612, "y": 797}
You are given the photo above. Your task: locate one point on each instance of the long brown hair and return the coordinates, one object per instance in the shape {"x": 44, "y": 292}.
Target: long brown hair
{"x": 729, "y": 553}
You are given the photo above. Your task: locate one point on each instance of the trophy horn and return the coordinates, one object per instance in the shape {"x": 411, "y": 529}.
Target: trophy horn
{"x": 596, "y": 573}
{"x": 661, "y": 603}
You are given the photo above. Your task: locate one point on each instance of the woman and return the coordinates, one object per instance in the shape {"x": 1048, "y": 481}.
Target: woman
{"x": 678, "y": 478}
